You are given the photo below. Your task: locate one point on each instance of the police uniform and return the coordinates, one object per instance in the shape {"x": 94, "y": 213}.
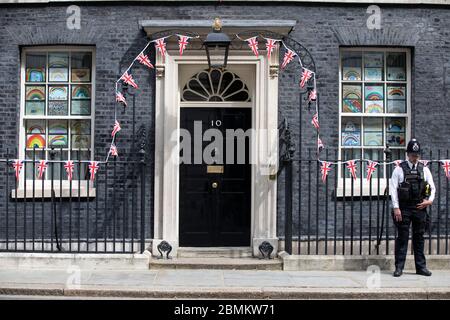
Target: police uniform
{"x": 410, "y": 185}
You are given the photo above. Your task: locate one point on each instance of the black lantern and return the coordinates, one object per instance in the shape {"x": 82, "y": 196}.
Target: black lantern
{"x": 217, "y": 45}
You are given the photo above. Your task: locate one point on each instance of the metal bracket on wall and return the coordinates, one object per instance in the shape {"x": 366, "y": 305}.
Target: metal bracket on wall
{"x": 266, "y": 250}
{"x": 164, "y": 246}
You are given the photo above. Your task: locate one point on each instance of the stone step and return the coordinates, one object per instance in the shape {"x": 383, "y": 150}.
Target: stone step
{"x": 216, "y": 263}
{"x": 214, "y": 252}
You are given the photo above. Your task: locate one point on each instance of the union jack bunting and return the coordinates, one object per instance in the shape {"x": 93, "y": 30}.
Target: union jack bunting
{"x": 270, "y": 45}
{"x": 289, "y": 55}
{"x": 325, "y": 168}
{"x": 128, "y": 79}
{"x": 182, "y": 43}
{"x": 69, "y": 169}
{"x": 446, "y": 167}
{"x": 120, "y": 98}
{"x": 41, "y": 168}
{"x": 253, "y": 44}
{"x": 312, "y": 95}
{"x": 320, "y": 145}
{"x": 315, "y": 121}
{"x": 145, "y": 60}
{"x": 116, "y": 128}
{"x": 306, "y": 75}
{"x": 93, "y": 168}
{"x": 161, "y": 46}
{"x": 424, "y": 162}
{"x": 371, "y": 167}
{"x": 113, "y": 150}
{"x": 351, "y": 166}
{"x": 17, "y": 165}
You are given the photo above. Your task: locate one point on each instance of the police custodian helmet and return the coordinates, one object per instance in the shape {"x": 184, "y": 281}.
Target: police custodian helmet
{"x": 413, "y": 146}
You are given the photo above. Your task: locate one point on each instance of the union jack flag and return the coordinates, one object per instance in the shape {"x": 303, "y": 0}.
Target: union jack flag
{"x": 41, "y": 168}
{"x": 371, "y": 167}
{"x": 315, "y": 121}
{"x": 270, "y": 45}
{"x": 161, "y": 46}
{"x": 121, "y": 98}
{"x": 116, "y": 128}
{"x": 17, "y": 165}
{"x": 182, "y": 43}
{"x": 312, "y": 95}
{"x": 325, "y": 168}
{"x": 351, "y": 166}
{"x": 288, "y": 57}
{"x": 397, "y": 163}
{"x": 424, "y": 162}
{"x": 306, "y": 75}
{"x": 93, "y": 168}
{"x": 113, "y": 150}
{"x": 145, "y": 60}
{"x": 253, "y": 44}
{"x": 128, "y": 79}
{"x": 69, "y": 169}
{"x": 446, "y": 167}
{"x": 320, "y": 145}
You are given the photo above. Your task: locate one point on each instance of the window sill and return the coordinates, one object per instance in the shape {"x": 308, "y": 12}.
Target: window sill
{"x": 366, "y": 191}
{"x": 46, "y": 193}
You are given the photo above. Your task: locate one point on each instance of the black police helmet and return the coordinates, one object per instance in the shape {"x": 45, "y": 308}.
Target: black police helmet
{"x": 413, "y": 147}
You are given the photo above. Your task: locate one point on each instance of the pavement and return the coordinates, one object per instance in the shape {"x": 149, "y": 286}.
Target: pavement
{"x": 74, "y": 282}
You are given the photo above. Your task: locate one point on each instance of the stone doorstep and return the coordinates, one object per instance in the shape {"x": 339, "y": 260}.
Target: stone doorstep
{"x": 104, "y": 261}
{"x": 216, "y": 263}
{"x": 356, "y": 263}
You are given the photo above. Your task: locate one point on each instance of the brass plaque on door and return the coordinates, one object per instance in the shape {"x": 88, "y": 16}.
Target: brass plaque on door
{"x": 214, "y": 169}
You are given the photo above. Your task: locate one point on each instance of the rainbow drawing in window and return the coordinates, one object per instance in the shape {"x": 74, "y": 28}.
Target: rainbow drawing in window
{"x": 35, "y": 93}
{"x": 374, "y": 92}
{"x": 35, "y": 75}
{"x": 351, "y": 134}
{"x": 351, "y": 99}
{"x": 81, "y": 92}
{"x": 373, "y": 106}
{"x": 58, "y": 74}
{"x": 351, "y": 73}
{"x": 57, "y": 93}
{"x": 35, "y": 141}
{"x": 396, "y": 92}
{"x": 57, "y": 140}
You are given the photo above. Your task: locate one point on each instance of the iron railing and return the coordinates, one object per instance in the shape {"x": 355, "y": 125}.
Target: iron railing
{"x": 343, "y": 216}
{"x": 106, "y": 215}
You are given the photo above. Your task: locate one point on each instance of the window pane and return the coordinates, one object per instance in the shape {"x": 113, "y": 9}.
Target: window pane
{"x": 81, "y": 100}
{"x": 81, "y": 134}
{"x": 395, "y": 131}
{"x": 57, "y": 133}
{"x": 373, "y": 66}
{"x": 35, "y": 67}
{"x": 351, "y": 101}
{"x": 34, "y": 100}
{"x": 57, "y": 104}
{"x": 396, "y": 66}
{"x": 396, "y": 95}
{"x": 351, "y": 131}
{"x": 373, "y": 132}
{"x": 35, "y": 134}
{"x": 374, "y": 98}
{"x": 351, "y": 65}
{"x": 58, "y": 67}
{"x": 81, "y": 66}
{"x": 374, "y": 155}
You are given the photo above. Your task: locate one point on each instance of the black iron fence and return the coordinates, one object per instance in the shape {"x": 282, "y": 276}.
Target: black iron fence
{"x": 108, "y": 214}
{"x": 343, "y": 216}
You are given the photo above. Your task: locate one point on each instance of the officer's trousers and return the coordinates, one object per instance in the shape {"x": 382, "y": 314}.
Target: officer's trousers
{"x": 418, "y": 218}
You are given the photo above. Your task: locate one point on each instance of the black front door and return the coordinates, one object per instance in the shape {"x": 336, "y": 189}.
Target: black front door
{"x": 215, "y": 198}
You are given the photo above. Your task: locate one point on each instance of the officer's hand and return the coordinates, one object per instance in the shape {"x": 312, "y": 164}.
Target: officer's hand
{"x": 424, "y": 204}
{"x": 397, "y": 215}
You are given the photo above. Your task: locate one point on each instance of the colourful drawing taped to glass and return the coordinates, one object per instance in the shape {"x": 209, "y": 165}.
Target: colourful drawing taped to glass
{"x": 57, "y": 108}
{"x": 81, "y": 92}
{"x": 373, "y": 74}
{"x": 351, "y": 134}
{"x": 373, "y": 138}
{"x": 57, "y": 93}
{"x": 374, "y": 92}
{"x": 396, "y": 92}
{"x": 350, "y": 105}
{"x": 396, "y": 125}
{"x": 81, "y": 75}
{"x": 57, "y": 140}
{"x": 35, "y": 141}
{"x": 35, "y": 75}
{"x": 351, "y": 74}
{"x": 395, "y": 139}
{"x": 58, "y": 74}
{"x": 374, "y": 106}
{"x": 57, "y": 127}
{"x": 35, "y": 93}
{"x": 35, "y": 126}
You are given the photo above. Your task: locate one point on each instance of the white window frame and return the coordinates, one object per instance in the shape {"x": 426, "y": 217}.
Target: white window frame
{"x": 21, "y": 154}
{"x": 362, "y": 115}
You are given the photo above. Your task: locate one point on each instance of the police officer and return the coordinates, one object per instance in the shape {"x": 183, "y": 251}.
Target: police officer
{"x": 412, "y": 191}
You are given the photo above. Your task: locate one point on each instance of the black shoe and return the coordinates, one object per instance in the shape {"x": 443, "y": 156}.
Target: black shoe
{"x": 398, "y": 272}
{"x": 424, "y": 272}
